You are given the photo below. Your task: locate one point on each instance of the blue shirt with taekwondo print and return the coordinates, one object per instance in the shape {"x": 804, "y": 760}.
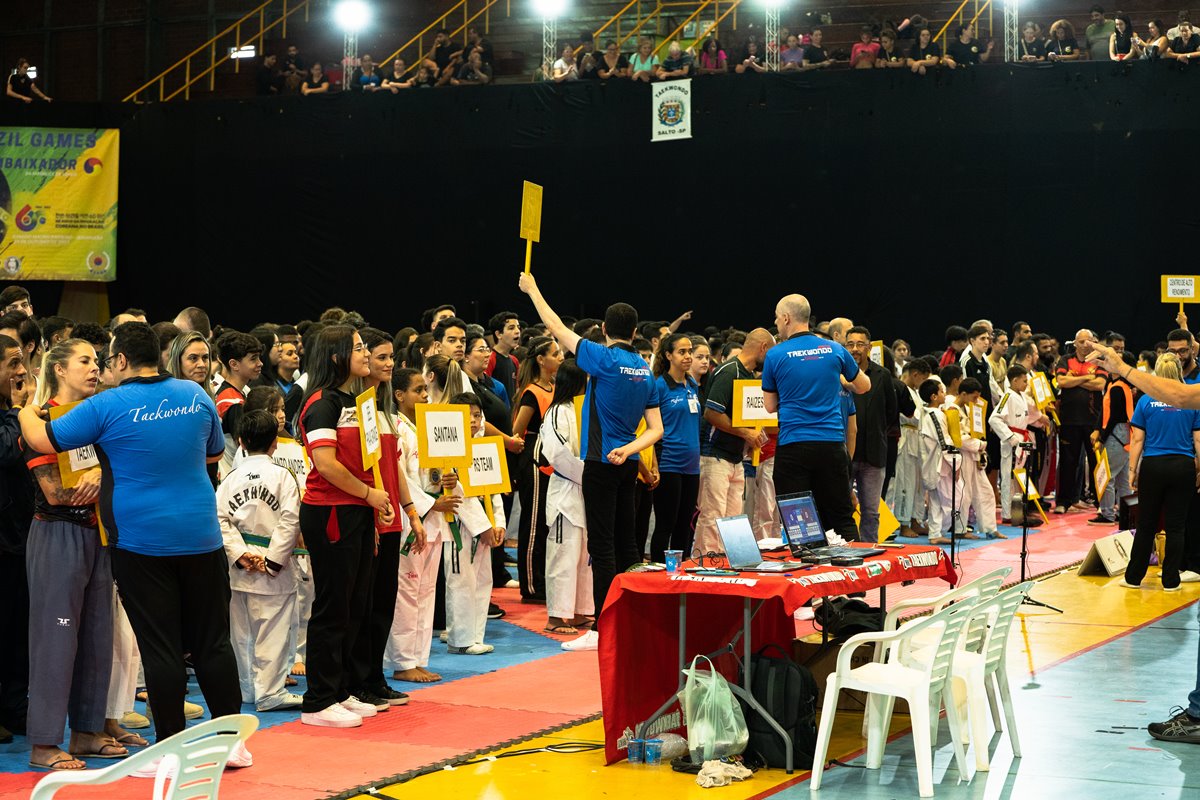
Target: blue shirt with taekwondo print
{"x": 679, "y": 404}
{"x": 153, "y": 437}
{"x": 1168, "y": 429}
{"x": 619, "y": 390}
{"x": 804, "y": 372}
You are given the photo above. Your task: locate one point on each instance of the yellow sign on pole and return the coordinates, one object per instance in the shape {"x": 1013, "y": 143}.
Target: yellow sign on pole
{"x": 488, "y": 473}
{"x": 368, "y": 435}
{"x": 1179, "y": 289}
{"x": 443, "y": 433}
{"x": 749, "y": 411}
{"x": 531, "y": 218}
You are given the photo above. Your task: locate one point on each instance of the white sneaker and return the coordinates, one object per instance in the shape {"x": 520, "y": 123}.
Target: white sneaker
{"x": 1129, "y": 585}
{"x": 239, "y": 757}
{"x": 1188, "y": 576}
{"x": 512, "y": 585}
{"x": 151, "y": 770}
{"x": 332, "y": 717}
{"x": 476, "y": 649}
{"x": 589, "y": 641}
{"x": 285, "y": 703}
{"x": 356, "y": 706}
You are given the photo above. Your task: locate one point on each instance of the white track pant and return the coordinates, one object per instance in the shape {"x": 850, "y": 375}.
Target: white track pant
{"x": 940, "y": 502}
{"x": 764, "y": 521}
{"x": 568, "y": 574}
{"x": 721, "y": 486}
{"x": 298, "y": 635}
{"x": 259, "y": 625}
{"x": 909, "y": 503}
{"x": 1006, "y": 478}
{"x": 127, "y": 663}
{"x": 412, "y": 624}
{"x": 977, "y": 493}
{"x": 468, "y": 591}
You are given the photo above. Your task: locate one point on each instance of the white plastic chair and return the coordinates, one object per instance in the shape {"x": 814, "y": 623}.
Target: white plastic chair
{"x": 923, "y": 686}
{"x": 981, "y": 668}
{"x": 193, "y": 761}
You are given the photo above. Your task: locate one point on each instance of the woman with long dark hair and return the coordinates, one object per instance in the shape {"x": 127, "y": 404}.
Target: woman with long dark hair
{"x": 535, "y": 391}
{"x": 679, "y": 449}
{"x": 337, "y": 519}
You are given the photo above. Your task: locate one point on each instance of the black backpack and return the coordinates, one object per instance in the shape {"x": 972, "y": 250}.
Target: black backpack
{"x": 788, "y": 692}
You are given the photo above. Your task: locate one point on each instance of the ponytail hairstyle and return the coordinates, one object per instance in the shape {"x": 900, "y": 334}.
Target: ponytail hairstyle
{"x": 385, "y": 401}
{"x": 449, "y": 377}
{"x": 329, "y": 359}
{"x": 530, "y": 369}
{"x": 569, "y": 384}
{"x": 59, "y": 355}
{"x": 665, "y": 345}
{"x": 1167, "y": 366}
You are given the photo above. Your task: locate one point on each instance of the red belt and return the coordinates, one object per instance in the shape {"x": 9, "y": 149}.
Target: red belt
{"x": 1024, "y": 433}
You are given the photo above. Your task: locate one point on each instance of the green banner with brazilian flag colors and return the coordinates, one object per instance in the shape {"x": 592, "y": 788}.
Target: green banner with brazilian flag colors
{"x": 58, "y": 204}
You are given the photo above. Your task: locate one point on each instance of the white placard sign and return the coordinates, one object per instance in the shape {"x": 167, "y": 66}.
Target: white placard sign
{"x": 671, "y": 111}
{"x": 447, "y": 436}
{"x": 83, "y": 458}
{"x": 485, "y": 464}
{"x": 750, "y": 409}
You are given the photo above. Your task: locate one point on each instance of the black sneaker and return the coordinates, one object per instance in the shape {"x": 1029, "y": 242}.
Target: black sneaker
{"x": 1100, "y": 520}
{"x": 365, "y": 695}
{"x": 495, "y": 611}
{"x": 1180, "y": 728}
{"x": 389, "y": 694}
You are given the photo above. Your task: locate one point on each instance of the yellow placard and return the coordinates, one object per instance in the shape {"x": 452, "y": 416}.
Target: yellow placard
{"x": 888, "y": 524}
{"x": 443, "y": 436}
{"x": 877, "y": 351}
{"x": 1019, "y": 474}
{"x": 531, "y": 212}
{"x": 579, "y": 414}
{"x": 977, "y": 419}
{"x": 368, "y": 428}
{"x": 488, "y": 471}
{"x": 1179, "y": 288}
{"x": 749, "y": 410}
{"x": 1102, "y": 474}
{"x": 74, "y": 463}
{"x": 954, "y": 424}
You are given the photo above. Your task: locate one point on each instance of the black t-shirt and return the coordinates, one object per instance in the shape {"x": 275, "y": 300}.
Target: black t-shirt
{"x": 467, "y": 74}
{"x": 1066, "y": 47}
{"x": 967, "y": 53}
{"x": 324, "y": 81}
{"x": 83, "y": 516}
{"x": 441, "y": 54}
{"x": 932, "y": 50}
{"x": 494, "y": 409}
{"x": 1034, "y": 48}
{"x": 487, "y": 53}
{"x": 265, "y": 81}
{"x": 894, "y": 55}
{"x": 1178, "y": 45}
{"x": 295, "y": 64}
{"x": 21, "y": 84}
{"x": 505, "y": 371}
{"x": 392, "y": 77}
{"x": 601, "y": 64}
{"x": 588, "y": 69}
{"x": 814, "y": 54}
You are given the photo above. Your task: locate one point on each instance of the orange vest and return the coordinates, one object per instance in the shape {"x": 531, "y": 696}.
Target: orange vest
{"x": 544, "y": 398}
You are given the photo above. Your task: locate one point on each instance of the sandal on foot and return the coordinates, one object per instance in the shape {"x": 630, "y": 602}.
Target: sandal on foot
{"x": 290, "y": 681}
{"x": 130, "y": 739}
{"x": 560, "y": 630}
{"x": 60, "y": 764}
{"x": 105, "y": 751}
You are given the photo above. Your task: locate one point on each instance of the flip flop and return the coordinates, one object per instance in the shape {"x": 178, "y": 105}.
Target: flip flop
{"x": 56, "y": 764}
{"x": 560, "y": 630}
{"x": 130, "y": 739}
{"x": 290, "y": 681}
{"x": 101, "y": 754}
{"x": 585, "y": 623}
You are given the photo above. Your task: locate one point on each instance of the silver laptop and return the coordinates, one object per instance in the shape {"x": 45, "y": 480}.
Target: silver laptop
{"x": 741, "y": 548}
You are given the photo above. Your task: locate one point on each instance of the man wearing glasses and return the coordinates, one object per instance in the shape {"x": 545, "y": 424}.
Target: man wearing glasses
{"x": 1081, "y": 389}
{"x": 875, "y": 413}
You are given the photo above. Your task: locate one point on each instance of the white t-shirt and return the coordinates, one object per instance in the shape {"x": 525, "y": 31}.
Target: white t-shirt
{"x": 561, "y": 66}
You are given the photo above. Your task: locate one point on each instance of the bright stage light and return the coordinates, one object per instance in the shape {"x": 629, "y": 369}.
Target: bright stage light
{"x": 550, "y": 9}
{"x": 772, "y": 3}
{"x": 351, "y": 15}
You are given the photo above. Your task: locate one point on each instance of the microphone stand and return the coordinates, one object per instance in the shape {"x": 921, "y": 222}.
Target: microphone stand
{"x": 954, "y": 453}
{"x": 1028, "y": 601}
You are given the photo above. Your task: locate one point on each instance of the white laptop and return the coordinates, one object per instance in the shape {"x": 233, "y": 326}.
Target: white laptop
{"x": 741, "y": 548}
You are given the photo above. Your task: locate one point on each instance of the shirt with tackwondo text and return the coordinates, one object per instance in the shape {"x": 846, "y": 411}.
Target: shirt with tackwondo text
{"x": 804, "y": 372}
{"x": 619, "y": 390}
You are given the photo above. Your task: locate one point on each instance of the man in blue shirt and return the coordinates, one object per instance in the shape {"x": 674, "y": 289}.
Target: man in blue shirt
{"x": 802, "y": 381}
{"x": 620, "y": 393}
{"x": 154, "y": 436}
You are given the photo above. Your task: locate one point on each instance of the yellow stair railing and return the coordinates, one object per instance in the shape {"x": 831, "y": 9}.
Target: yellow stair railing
{"x": 618, "y": 33}
{"x": 712, "y": 26}
{"x": 960, "y": 12}
{"x": 483, "y": 7}
{"x": 229, "y": 41}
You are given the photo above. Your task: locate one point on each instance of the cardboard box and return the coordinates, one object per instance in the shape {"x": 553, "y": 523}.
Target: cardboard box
{"x": 822, "y": 660}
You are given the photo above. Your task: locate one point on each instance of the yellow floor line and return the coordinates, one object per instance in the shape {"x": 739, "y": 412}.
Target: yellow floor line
{"x": 1096, "y": 610}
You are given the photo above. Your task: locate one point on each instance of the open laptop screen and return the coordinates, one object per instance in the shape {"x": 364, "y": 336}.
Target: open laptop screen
{"x": 800, "y": 521}
{"x": 741, "y": 548}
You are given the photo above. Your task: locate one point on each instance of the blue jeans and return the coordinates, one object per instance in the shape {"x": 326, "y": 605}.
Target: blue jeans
{"x": 868, "y": 485}
{"x": 1118, "y": 467}
{"x": 1194, "y": 697}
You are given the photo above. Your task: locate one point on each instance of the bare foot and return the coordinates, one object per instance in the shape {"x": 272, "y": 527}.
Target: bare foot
{"x": 298, "y": 668}
{"x": 53, "y": 758}
{"x": 414, "y": 675}
{"x": 939, "y": 540}
{"x": 433, "y": 676}
{"x": 113, "y": 729}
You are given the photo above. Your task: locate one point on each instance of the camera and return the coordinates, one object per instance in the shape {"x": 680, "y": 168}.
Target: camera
{"x": 1026, "y": 445}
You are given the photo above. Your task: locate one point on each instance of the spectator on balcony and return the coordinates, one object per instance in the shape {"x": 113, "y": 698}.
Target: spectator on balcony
{"x": 21, "y": 87}
{"x": 425, "y": 79}
{"x": 565, "y": 68}
{"x": 1182, "y": 16}
{"x": 476, "y": 43}
{"x": 751, "y": 60}
{"x": 1097, "y": 34}
{"x": 394, "y": 81}
{"x": 643, "y": 63}
{"x": 1155, "y": 44}
{"x": 889, "y": 56}
{"x": 366, "y": 77}
{"x": 1186, "y": 46}
{"x": 926, "y": 53}
{"x": 966, "y": 50}
{"x": 475, "y": 72}
{"x": 815, "y": 56}
{"x": 267, "y": 81}
{"x": 677, "y": 64}
{"x": 865, "y": 50}
{"x": 613, "y": 64}
{"x": 317, "y": 81}
{"x": 791, "y": 57}
{"x": 1031, "y": 48}
{"x": 1062, "y": 45}
{"x": 295, "y": 69}
{"x": 1120, "y": 43}
{"x": 447, "y": 55}
{"x": 713, "y": 60}
{"x": 587, "y": 57}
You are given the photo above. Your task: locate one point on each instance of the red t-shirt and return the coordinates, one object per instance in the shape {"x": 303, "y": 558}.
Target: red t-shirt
{"x": 870, "y": 48}
{"x": 330, "y": 419}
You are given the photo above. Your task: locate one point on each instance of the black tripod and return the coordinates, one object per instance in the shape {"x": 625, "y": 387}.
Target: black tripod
{"x": 1028, "y": 601}
{"x": 954, "y": 454}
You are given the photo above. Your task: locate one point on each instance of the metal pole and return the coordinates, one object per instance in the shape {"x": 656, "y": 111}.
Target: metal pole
{"x": 349, "y": 57}
{"x": 1012, "y": 31}
{"x": 771, "y": 38}
{"x": 549, "y": 46}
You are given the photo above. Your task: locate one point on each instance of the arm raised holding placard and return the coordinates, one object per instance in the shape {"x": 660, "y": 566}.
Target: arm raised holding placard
{"x": 567, "y": 338}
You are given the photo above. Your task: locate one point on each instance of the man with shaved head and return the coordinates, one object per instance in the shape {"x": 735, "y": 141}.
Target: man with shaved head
{"x": 802, "y": 381}
{"x": 1081, "y": 386}
{"x": 722, "y": 479}
{"x": 837, "y": 326}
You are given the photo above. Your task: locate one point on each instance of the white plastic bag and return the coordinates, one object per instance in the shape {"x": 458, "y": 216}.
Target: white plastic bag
{"x": 716, "y": 726}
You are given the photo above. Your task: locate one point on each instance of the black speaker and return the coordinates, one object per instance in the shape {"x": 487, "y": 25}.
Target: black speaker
{"x": 1127, "y": 512}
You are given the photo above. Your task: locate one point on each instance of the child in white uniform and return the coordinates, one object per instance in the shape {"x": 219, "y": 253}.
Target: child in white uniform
{"x": 977, "y": 490}
{"x": 1011, "y": 421}
{"x": 469, "y": 570}
{"x": 258, "y": 505}
{"x": 937, "y": 466}
{"x": 569, "y": 599}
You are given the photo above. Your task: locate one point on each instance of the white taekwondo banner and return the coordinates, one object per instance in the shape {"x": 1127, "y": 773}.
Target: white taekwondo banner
{"x": 671, "y": 110}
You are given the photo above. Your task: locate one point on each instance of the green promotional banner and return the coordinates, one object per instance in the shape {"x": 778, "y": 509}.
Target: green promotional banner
{"x": 58, "y": 204}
